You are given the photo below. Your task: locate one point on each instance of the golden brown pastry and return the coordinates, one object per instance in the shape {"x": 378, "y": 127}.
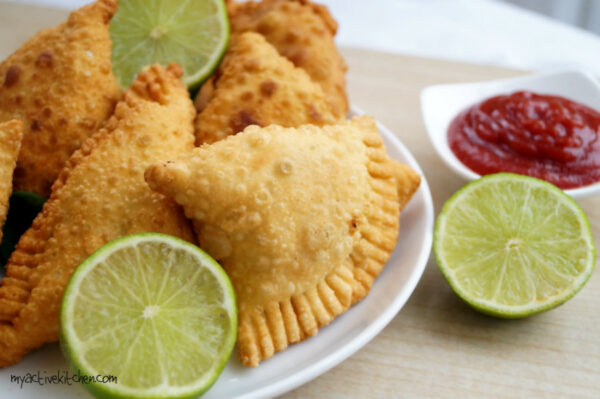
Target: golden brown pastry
{"x": 302, "y": 220}
{"x": 257, "y": 86}
{"x": 11, "y": 134}
{"x": 99, "y": 196}
{"x": 60, "y": 84}
{"x": 303, "y": 32}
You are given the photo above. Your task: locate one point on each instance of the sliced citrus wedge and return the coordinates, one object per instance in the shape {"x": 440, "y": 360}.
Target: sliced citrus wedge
{"x": 512, "y": 246}
{"x": 152, "y": 310}
{"x": 192, "y": 33}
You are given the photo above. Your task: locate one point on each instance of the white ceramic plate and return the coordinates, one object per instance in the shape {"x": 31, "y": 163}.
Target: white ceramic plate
{"x": 304, "y": 361}
{"x": 441, "y": 103}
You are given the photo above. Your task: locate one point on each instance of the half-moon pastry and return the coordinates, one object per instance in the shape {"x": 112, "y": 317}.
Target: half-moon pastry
{"x": 302, "y": 219}
{"x": 256, "y": 86}
{"x": 303, "y": 33}
{"x": 60, "y": 84}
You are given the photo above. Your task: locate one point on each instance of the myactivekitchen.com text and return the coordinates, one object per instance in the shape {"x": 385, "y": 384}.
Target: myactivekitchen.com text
{"x": 62, "y": 377}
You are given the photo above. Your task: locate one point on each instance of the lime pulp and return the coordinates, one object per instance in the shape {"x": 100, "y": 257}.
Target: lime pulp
{"x": 192, "y": 33}
{"x": 152, "y": 310}
{"x": 512, "y": 246}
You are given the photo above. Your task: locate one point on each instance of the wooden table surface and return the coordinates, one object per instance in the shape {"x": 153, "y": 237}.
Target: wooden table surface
{"x": 436, "y": 347}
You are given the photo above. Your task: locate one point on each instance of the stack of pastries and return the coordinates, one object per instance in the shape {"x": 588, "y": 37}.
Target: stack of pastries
{"x": 299, "y": 205}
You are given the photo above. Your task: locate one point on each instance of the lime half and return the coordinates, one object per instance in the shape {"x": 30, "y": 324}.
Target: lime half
{"x": 512, "y": 246}
{"x": 153, "y": 311}
{"x": 192, "y": 33}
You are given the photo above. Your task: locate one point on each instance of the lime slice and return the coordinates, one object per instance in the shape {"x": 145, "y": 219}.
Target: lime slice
{"x": 152, "y": 310}
{"x": 192, "y": 33}
{"x": 512, "y": 246}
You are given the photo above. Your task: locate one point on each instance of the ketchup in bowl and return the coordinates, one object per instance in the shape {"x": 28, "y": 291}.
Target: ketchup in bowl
{"x": 543, "y": 136}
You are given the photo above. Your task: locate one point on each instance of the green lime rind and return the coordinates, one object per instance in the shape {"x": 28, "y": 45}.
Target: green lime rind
{"x": 193, "y": 33}
{"x": 74, "y": 354}
{"x": 493, "y": 308}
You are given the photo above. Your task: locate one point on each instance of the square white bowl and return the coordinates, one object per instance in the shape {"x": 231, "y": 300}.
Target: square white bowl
{"x": 441, "y": 103}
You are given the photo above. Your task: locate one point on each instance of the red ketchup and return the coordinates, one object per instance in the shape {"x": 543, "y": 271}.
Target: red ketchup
{"x": 543, "y": 136}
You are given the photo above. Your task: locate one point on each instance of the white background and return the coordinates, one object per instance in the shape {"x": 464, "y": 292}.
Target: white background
{"x": 478, "y": 31}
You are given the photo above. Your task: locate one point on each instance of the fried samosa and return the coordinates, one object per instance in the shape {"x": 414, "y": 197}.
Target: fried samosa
{"x": 302, "y": 220}
{"x": 257, "y": 86}
{"x": 99, "y": 196}
{"x": 303, "y": 32}
{"x": 60, "y": 84}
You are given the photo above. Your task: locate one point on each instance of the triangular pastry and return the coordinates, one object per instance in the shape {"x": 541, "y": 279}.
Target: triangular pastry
{"x": 99, "y": 196}
{"x": 303, "y": 33}
{"x": 256, "y": 86}
{"x": 302, "y": 219}
{"x": 60, "y": 84}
